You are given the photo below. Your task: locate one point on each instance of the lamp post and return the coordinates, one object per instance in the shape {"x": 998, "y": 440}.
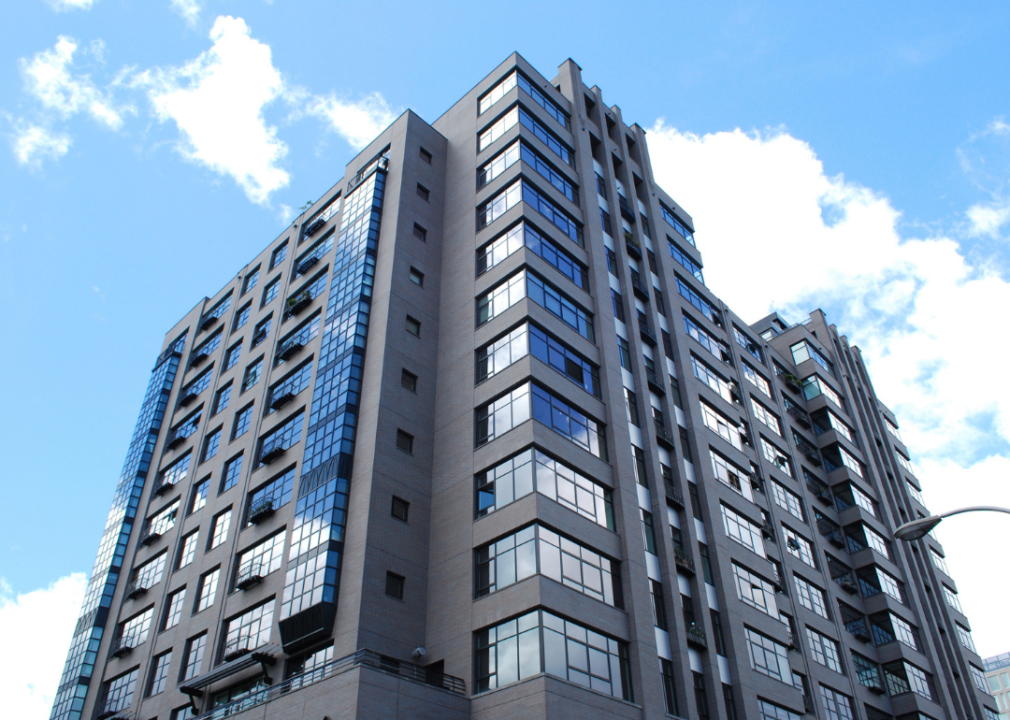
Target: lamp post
{"x": 917, "y": 529}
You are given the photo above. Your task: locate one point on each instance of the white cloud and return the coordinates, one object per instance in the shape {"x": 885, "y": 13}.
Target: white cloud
{"x": 47, "y": 76}
{"x": 357, "y": 122}
{"x": 988, "y": 218}
{"x": 33, "y": 143}
{"x": 217, "y": 102}
{"x": 39, "y": 624}
{"x": 66, "y": 5}
{"x": 777, "y": 233}
{"x": 188, "y": 9}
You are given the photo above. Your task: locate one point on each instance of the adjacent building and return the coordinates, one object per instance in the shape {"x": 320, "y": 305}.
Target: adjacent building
{"x": 473, "y": 439}
{"x": 997, "y": 674}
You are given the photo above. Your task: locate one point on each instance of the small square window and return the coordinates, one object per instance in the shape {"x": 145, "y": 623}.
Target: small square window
{"x": 417, "y": 277}
{"x": 394, "y": 585}
{"x": 405, "y": 442}
{"x": 423, "y": 192}
{"x": 408, "y": 380}
{"x": 250, "y": 280}
{"x": 426, "y": 156}
{"x": 413, "y": 326}
{"x": 420, "y": 233}
{"x": 278, "y": 256}
{"x": 400, "y": 508}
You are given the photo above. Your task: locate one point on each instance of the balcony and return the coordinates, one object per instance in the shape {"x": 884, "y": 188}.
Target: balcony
{"x": 110, "y": 710}
{"x": 683, "y": 561}
{"x": 175, "y": 439}
{"x": 655, "y": 384}
{"x": 198, "y": 358}
{"x": 259, "y": 337}
{"x": 673, "y": 494}
{"x": 822, "y": 493}
{"x": 847, "y": 583}
{"x": 165, "y": 486}
{"x": 634, "y": 247}
{"x": 208, "y": 322}
{"x": 261, "y": 511}
{"x": 239, "y": 646}
{"x": 810, "y": 453}
{"x": 299, "y": 302}
{"x": 188, "y": 398}
{"x": 791, "y": 381}
{"x": 281, "y": 400}
{"x": 289, "y": 349}
{"x": 647, "y": 333}
{"x": 149, "y": 538}
{"x": 696, "y": 635}
{"x": 136, "y": 589}
{"x": 639, "y": 288}
{"x": 306, "y": 265}
{"x": 663, "y": 436}
{"x": 272, "y": 451}
{"x": 799, "y": 416}
{"x": 313, "y": 227}
{"x": 768, "y": 532}
{"x": 123, "y": 646}
{"x": 251, "y": 575}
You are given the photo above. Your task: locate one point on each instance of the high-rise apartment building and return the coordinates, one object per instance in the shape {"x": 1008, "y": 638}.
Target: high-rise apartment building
{"x": 997, "y": 674}
{"x": 472, "y": 439}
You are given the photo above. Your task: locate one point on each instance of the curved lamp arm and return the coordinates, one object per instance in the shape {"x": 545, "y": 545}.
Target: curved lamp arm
{"x": 917, "y": 529}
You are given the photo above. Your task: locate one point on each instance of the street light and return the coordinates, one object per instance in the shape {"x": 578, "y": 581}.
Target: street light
{"x": 917, "y": 529}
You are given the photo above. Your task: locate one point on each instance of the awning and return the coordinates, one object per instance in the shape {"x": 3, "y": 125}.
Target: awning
{"x": 264, "y": 656}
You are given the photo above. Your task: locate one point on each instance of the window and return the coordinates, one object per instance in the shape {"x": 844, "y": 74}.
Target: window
{"x": 117, "y": 694}
{"x": 203, "y": 350}
{"x": 729, "y": 474}
{"x": 938, "y": 560}
{"x": 219, "y": 528}
{"x": 400, "y": 509}
{"x": 766, "y": 417}
{"x": 632, "y": 404}
{"x": 232, "y": 472}
{"x": 270, "y": 291}
{"x": 250, "y": 280}
{"x": 700, "y": 698}
{"x": 425, "y": 156}
{"x": 417, "y": 277}
{"x": 199, "y": 495}
{"x": 241, "y": 317}
{"x": 618, "y": 303}
{"x": 405, "y": 442}
{"x": 394, "y": 585}
{"x": 525, "y": 235}
{"x": 196, "y": 387}
{"x": 243, "y": 418}
{"x": 276, "y": 492}
{"x": 231, "y": 358}
{"x": 767, "y": 656}
{"x": 756, "y": 380}
{"x": 710, "y": 343}
{"x": 261, "y": 559}
{"x": 803, "y": 351}
{"x": 810, "y": 596}
{"x": 210, "y": 445}
{"x": 164, "y": 520}
{"x": 776, "y": 457}
{"x": 252, "y": 375}
{"x": 743, "y": 530}
{"x": 612, "y": 267}
{"x": 721, "y": 425}
{"x": 669, "y": 686}
{"x": 423, "y": 192}
{"x": 902, "y": 677}
{"x": 533, "y": 471}
{"x": 537, "y": 550}
{"x": 774, "y": 712}
{"x": 788, "y": 500}
{"x": 194, "y": 657}
{"x": 685, "y": 260}
{"x": 836, "y": 706}
{"x": 658, "y": 605}
{"x": 413, "y": 326}
{"x": 814, "y": 386}
{"x": 979, "y": 679}
{"x": 540, "y": 642}
{"x": 754, "y": 590}
{"x": 175, "y": 473}
{"x": 134, "y": 631}
{"x": 867, "y": 671}
{"x": 221, "y": 399}
{"x": 964, "y": 635}
{"x": 159, "y": 673}
{"x": 187, "y": 550}
{"x": 824, "y": 650}
{"x": 278, "y": 255}
{"x": 207, "y": 589}
{"x": 695, "y": 298}
{"x": 798, "y": 546}
{"x": 648, "y": 531}
{"x": 713, "y": 379}
{"x": 408, "y": 381}
{"x": 262, "y": 331}
{"x": 420, "y": 233}
{"x": 173, "y": 609}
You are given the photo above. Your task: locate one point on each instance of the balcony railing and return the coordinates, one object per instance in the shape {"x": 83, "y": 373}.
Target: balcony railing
{"x": 137, "y": 588}
{"x": 696, "y": 635}
{"x": 683, "y": 561}
{"x": 289, "y": 349}
{"x": 791, "y": 381}
{"x": 272, "y": 450}
{"x": 626, "y": 212}
{"x": 362, "y": 658}
{"x": 673, "y": 493}
{"x": 299, "y": 302}
{"x": 261, "y": 511}
{"x": 655, "y": 384}
{"x": 810, "y": 453}
{"x": 847, "y": 583}
{"x": 313, "y": 227}
{"x": 663, "y": 436}
{"x": 124, "y": 645}
{"x": 239, "y": 646}
{"x": 251, "y": 574}
{"x": 799, "y": 416}
{"x": 305, "y": 265}
{"x": 276, "y": 403}
{"x": 149, "y": 537}
{"x": 634, "y": 247}
{"x": 198, "y": 358}
{"x": 188, "y": 397}
{"x": 647, "y": 333}
{"x": 639, "y": 288}
{"x": 111, "y": 709}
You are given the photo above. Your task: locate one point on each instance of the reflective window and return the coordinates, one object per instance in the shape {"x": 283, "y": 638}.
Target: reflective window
{"x": 188, "y": 550}
{"x": 221, "y": 399}
{"x": 520, "y": 150}
{"x": 294, "y": 382}
{"x": 695, "y": 298}
{"x": 711, "y": 378}
{"x": 173, "y": 609}
{"x": 710, "y": 343}
{"x": 526, "y": 235}
{"x": 194, "y": 657}
{"x": 207, "y": 347}
{"x": 767, "y": 656}
{"x": 159, "y": 673}
{"x": 939, "y": 562}
{"x": 542, "y": 642}
{"x": 685, "y": 260}
{"x": 676, "y": 224}
{"x": 164, "y": 519}
{"x": 766, "y": 417}
{"x": 207, "y": 590}
{"x": 788, "y": 500}
{"x": 810, "y": 596}
{"x": 532, "y": 470}
{"x": 175, "y": 473}
{"x": 537, "y": 550}
{"x": 798, "y": 546}
{"x": 252, "y": 375}
{"x": 867, "y": 671}
{"x": 198, "y": 385}
{"x": 283, "y": 437}
{"x": 774, "y": 712}
{"x": 721, "y": 425}
{"x": 134, "y": 631}
{"x": 234, "y": 352}
{"x": 775, "y": 456}
{"x": 211, "y": 444}
{"x": 803, "y": 351}
{"x": 526, "y": 284}
{"x": 902, "y": 677}
{"x": 276, "y": 492}
{"x": 743, "y": 530}
{"x": 250, "y": 280}
{"x": 755, "y": 591}
{"x": 873, "y": 580}
{"x": 232, "y": 473}
{"x": 814, "y": 386}
{"x": 118, "y": 693}
{"x": 261, "y": 559}
{"x": 729, "y": 474}
{"x": 241, "y": 317}
{"x": 824, "y": 650}
{"x": 278, "y": 255}
{"x": 836, "y": 706}
{"x": 756, "y": 380}
{"x": 219, "y": 529}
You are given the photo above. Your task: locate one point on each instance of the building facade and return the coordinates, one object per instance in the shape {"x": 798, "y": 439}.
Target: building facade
{"x": 472, "y": 439}
{"x": 997, "y": 674}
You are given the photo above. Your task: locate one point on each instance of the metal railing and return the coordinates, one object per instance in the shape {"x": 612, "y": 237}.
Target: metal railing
{"x": 367, "y": 658}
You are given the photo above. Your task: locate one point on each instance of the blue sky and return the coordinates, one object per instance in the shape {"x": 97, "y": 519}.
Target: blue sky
{"x": 148, "y": 149}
